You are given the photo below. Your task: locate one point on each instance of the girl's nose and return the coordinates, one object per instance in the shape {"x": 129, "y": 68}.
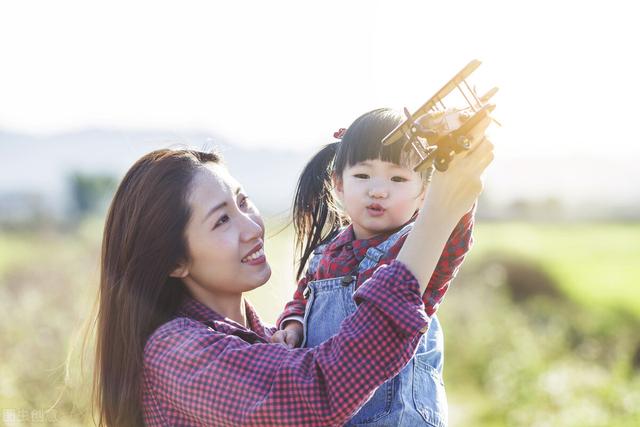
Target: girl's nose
{"x": 378, "y": 193}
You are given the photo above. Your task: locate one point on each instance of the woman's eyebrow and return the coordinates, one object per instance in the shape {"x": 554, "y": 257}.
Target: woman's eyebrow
{"x": 213, "y": 209}
{"x": 221, "y": 205}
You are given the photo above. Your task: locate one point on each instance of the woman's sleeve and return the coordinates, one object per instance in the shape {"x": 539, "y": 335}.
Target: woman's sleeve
{"x": 219, "y": 379}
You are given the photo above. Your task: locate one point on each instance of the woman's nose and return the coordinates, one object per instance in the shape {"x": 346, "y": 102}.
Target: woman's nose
{"x": 252, "y": 227}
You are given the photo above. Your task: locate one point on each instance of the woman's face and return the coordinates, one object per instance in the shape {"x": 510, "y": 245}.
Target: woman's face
{"x": 225, "y": 237}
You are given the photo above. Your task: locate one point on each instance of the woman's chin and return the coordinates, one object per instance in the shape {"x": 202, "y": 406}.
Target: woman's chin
{"x": 261, "y": 277}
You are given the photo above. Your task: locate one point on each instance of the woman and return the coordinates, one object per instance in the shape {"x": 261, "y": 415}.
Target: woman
{"x": 177, "y": 343}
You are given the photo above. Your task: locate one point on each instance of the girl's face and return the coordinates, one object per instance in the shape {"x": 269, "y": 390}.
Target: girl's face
{"x": 225, "y": 237}
{"x": 379, "y": 196}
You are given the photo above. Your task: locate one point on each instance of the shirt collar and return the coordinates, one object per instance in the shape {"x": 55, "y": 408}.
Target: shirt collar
{"x": 360, "y": 246}
{"x": 190, "y": 307}
{"x": 344, "y": 237}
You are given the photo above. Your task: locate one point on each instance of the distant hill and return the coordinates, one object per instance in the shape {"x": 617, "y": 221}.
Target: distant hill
{"x": 39, "y": 166}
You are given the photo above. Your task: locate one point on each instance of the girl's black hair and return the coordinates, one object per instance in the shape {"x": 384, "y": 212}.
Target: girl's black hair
{"x": 316, "y": 215}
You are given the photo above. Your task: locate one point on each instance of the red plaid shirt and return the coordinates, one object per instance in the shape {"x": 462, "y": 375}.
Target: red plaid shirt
{"x": 203, "y": 369}
{"x": 342, "y": 256}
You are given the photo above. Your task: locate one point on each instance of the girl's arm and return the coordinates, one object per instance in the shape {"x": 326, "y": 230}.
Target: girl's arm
{"x": 295, "y": 307}
{"x": 289, "y": 324}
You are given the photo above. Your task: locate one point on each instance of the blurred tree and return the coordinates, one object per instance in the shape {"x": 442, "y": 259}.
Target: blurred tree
{"x": 90, "y": 192}
{"x": 486, "y": 207}
{"x": 546, "y": 209}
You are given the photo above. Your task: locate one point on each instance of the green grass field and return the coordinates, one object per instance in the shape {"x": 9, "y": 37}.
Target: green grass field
{"x": 595, "y": 264}
{"x": 508, "y": 363}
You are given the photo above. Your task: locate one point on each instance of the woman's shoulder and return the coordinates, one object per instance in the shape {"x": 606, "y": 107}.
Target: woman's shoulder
{"x": 174, "y": 325}
{"x": 180, "y": 331}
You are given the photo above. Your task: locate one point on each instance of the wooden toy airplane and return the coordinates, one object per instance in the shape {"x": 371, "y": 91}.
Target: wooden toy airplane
{"x": 436, "y": 133}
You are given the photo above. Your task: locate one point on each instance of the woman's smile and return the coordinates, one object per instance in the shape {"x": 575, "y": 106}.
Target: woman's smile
{"x": 256, "y": 256}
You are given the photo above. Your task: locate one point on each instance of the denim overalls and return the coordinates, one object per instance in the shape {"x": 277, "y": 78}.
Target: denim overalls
{"x": 416, "y": 396}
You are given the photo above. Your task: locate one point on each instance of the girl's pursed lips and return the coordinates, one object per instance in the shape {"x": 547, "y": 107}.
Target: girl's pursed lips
{"x": 375, "y": 210}
{"x": 376, "y": 206}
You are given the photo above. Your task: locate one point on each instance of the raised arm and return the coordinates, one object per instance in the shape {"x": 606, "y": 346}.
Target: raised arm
{"x": 451, "y": 194}
{"x": 451, "y": 259}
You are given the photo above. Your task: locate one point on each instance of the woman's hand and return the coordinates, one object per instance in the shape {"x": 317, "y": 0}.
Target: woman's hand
{"x": 453, "y": 193}
{"x": 450, "y": 195}
{"x": 291, "y": 335}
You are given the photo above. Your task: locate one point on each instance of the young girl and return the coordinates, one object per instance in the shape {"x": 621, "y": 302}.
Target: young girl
{"x": 380, "y": 195}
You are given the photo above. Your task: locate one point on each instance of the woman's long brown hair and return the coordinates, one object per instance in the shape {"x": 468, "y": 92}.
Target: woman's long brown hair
{"x": 143, "y": 241}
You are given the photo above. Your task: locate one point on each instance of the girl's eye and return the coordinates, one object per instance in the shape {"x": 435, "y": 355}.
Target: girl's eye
{"x": 399, "y": 179}
{"x": 223, "y": 219}
{"x": 361, "y": 176}
{"x": 244, "y": 202}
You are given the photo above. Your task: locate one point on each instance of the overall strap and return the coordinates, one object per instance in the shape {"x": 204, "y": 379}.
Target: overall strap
{"x": 375, "y": 253}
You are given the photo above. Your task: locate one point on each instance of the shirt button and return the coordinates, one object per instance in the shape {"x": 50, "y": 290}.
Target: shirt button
{"x": 346, "y": 280}
{"x": 349, "y": 246}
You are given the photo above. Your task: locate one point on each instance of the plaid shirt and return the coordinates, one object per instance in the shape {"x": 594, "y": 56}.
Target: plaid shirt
{"x": 342, "y": 256}
{"x": 203, "y": 369}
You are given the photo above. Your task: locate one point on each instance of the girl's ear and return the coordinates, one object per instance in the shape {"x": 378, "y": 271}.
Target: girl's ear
{"x": 337, "y": 185}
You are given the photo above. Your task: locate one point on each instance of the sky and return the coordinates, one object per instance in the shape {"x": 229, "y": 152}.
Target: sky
{"x": 287, "y": 74}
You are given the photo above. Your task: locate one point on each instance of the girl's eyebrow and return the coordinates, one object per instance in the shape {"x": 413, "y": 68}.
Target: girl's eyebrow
{"x": 393, "y": 166}
{"x": 403, "y": 168}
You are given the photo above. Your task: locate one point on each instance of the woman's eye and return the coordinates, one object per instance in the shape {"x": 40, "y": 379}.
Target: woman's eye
{"x": 244, "y": 202}
{"x": 361, "y": 176}
{"x": 223, "y": 219}
{"x": 399, "y": 179}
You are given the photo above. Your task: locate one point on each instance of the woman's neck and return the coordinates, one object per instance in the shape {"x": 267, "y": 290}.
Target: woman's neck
{"x": 231, "y": 306}
{"x": 234, "y": 309}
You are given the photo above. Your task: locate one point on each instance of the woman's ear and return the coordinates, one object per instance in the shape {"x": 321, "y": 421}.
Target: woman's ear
{"x": 180, "y": 272}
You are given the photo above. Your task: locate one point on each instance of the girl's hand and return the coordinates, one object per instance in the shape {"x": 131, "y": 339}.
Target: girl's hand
{"x": 291, "y": 335}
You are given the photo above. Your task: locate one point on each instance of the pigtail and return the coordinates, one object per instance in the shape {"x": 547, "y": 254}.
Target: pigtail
{"x": 315, "y": 213}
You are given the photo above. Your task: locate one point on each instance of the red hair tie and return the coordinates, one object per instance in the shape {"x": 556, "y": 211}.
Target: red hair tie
{"x": 339, "y": 133}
